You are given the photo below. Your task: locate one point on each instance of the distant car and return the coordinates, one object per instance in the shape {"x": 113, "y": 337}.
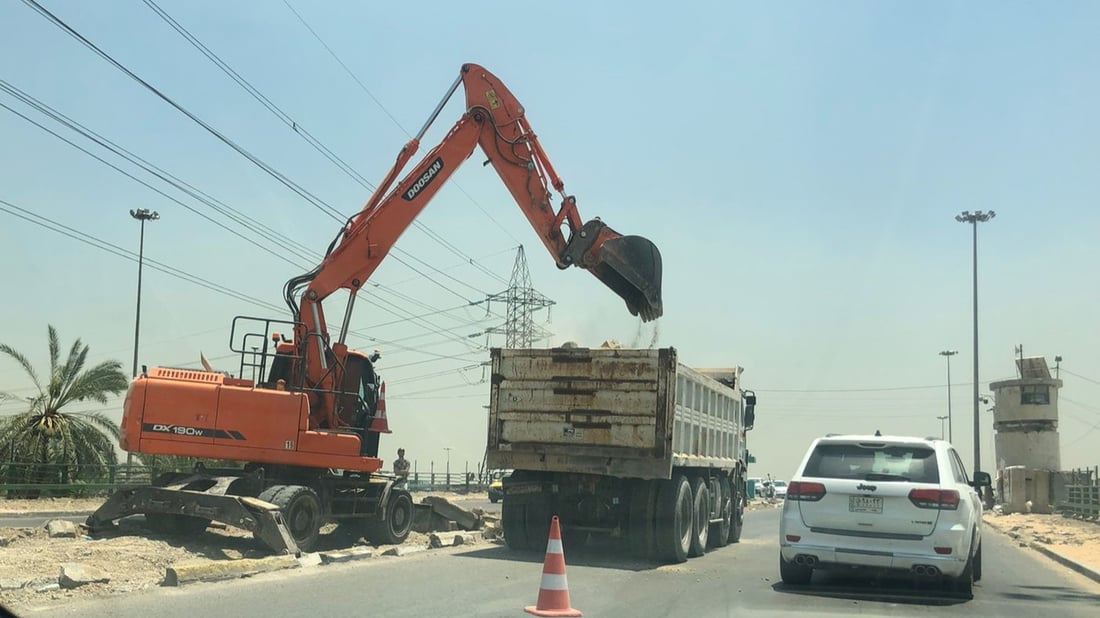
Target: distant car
{"x": 496, "y": 485}
{"x": 883, "y": 503}
{"x": 780, "y": 488}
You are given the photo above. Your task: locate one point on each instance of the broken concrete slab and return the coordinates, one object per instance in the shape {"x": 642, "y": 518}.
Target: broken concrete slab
{"x": 347, "y": 555}
{"x": 404, "y": 550}
{"x": 490, "y": 532}
{"x": 467, "y": 520}
{"x": 61, "y": 528}
{"x": 48, "y": 587}
{"x": 12, "y": 583}
{"x": 198, "y": 571}
{"x": 75, "y": 574}
{"x": 449, "y": 539}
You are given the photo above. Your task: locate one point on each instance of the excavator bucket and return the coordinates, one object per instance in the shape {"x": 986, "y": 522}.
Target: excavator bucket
{"x": 631, "y": 266}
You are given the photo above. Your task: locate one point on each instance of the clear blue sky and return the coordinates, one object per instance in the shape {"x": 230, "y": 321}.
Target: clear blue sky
{"x": 799, "y": 166}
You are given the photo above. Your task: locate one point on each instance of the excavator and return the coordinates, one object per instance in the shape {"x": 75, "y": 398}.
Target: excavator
{"x": 305, "y": 424}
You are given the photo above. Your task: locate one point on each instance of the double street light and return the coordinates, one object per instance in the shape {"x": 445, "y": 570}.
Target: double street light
{"x": 974, "y": 218}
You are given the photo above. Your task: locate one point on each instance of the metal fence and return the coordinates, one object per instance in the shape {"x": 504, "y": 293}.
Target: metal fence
{"x": 1082, "y": 494}
{"x": 23, "y": 480}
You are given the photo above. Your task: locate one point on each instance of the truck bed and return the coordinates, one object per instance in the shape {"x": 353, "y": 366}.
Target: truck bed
{"x": 631, "y": 413}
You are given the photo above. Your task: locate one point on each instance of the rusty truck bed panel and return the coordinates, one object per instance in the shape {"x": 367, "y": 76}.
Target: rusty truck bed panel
{"x": 618, "y": 412}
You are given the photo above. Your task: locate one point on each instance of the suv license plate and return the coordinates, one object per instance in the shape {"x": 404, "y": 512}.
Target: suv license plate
{"x": 864, "y": 504}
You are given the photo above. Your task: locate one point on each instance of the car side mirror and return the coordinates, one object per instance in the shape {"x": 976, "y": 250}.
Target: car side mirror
{"x": 982, "y": 479}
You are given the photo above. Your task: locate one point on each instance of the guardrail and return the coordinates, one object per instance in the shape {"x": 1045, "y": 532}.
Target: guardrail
{"x": 22, "y": 480}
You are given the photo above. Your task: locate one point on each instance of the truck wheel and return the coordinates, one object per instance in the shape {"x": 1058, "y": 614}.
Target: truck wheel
{"x": 526, "y": 523}
{"x": 394, "y": 529}
{"x": 737, "y": 520}
{"x": 640, "y": 524}
{"x": 700, "y": 524}
{"x": 720, "y": 532}
{"x": 301, "y": 510}
{"x": 673, "y": 527}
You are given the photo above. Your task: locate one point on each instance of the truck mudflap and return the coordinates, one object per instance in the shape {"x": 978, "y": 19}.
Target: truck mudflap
{"x": 263, "y": 519}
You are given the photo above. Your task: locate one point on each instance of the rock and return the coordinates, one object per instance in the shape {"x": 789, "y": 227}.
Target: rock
{"x": 232, "y": 554}
{"x": 49, "y": 587}
{"x": 449, "y": 539}
{"x": 74, "y": 574}
{"x": 61, "y": 528}
{"x": 347, "y": 555}
{"x": 490, "y": 532}
{"x": 467, "y": 520}
{"x": 404, "y": 550}
{"x": 12, "y": 583}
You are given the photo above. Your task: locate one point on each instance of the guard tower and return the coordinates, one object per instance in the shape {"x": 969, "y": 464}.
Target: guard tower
{"x": 1025, "y": 418}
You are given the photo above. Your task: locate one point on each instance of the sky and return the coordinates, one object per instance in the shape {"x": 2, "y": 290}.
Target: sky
{"x": 798, "y": 165}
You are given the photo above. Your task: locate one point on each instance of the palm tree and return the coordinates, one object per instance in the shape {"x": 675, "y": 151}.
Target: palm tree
{"x": 45, "y": 444}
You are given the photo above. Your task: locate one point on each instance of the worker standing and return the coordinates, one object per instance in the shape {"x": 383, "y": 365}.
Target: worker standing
{"x": 401, "y": 469}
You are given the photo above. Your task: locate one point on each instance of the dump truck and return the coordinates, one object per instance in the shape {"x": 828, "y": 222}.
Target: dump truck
{"x": 622, "y": 442}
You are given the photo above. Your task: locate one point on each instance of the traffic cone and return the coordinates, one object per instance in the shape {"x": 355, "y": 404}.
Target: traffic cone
{"x": 554, "y": 590}
{"x": 380, "y": 424}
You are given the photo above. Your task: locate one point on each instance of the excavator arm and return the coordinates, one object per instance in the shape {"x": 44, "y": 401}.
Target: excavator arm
{"x": 495, "y": 121}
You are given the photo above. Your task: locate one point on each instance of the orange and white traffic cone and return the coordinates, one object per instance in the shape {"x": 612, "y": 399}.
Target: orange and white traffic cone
{"x": 554, "y": 590}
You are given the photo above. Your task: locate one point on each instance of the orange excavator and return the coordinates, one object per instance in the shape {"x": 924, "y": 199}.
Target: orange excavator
{"x": 306, "y": 422}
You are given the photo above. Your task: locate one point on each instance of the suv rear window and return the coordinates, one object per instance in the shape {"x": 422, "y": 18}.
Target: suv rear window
{"x": 876, "y": 462}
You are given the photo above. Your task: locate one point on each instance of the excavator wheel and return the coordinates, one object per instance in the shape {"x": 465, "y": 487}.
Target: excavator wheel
{"x": 394, "y": 529}
{"x": 301, "y": 509}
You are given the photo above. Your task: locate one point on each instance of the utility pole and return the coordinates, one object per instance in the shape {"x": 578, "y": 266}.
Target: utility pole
{"x": 142, "y": 215}
{"x": 942, "y": 419}
{"x": 974, "y": 218}
{"x": 950, "y": 426}
{"x": 448, "y": 449}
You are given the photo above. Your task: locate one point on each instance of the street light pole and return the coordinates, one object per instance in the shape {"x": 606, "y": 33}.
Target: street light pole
{"x": 974, "y": 218}
{"x": 142, "y": 215}
{"x": 448, "y": 449}
{"x": 942, "y": 419}
{"x": 950, "y": 425}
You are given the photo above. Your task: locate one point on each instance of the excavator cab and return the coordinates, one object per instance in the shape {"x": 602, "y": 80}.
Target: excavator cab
{"x": 631, "y": 267}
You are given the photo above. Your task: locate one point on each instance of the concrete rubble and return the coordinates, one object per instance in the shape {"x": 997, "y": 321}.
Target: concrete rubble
{"x": 74, "y": 575}
{"x": 61, "y": 528}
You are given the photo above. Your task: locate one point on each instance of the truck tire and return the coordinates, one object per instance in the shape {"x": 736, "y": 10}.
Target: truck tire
{"x": 737, "y": 519}
{"x": 301, "y": 510}
{"x": 700, "y": 516}
{"x": 640, "y": 522}
{"x": 526, "y": 522}
{"x": 720, "y": 532}
{"x": 673, "y": 526}
{"x": 394, "y": 529}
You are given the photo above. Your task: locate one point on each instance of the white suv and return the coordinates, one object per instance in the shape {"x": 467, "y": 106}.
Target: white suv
{"x": 884, "y": 503}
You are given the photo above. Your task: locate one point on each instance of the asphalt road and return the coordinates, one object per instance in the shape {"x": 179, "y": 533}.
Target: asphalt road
{"x": 491, "y": 581}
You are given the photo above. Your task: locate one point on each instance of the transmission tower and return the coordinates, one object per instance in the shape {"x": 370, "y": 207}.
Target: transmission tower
{"x": 519, "y": 328}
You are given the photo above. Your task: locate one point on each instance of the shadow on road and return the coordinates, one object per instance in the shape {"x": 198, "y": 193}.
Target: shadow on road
{"x": 592, "y": 555}
{"x": 1058, "y": 594}
{"x": 883, "y": 589}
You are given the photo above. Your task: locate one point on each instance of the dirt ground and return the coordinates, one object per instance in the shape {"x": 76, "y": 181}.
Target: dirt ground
{"x": 1073, "y": 538}
{"x": 134, "y": 556}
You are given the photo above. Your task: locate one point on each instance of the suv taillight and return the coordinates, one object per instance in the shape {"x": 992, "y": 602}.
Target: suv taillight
{"x": 943, "y": 499}
{"x": 805, "y": 491}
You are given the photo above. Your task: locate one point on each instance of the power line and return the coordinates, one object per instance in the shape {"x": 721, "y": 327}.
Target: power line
{"x": 303, "y": 193}
{"x": 377, "y": 102}
{"x": 143, "y": 164}
{"x": 291, "y": 123}
{"x": 1079, "y": 376}
{"x": 114, "y": 249}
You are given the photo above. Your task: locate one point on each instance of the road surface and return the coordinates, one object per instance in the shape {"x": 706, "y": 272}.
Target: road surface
{"x": 740, "y": 580}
